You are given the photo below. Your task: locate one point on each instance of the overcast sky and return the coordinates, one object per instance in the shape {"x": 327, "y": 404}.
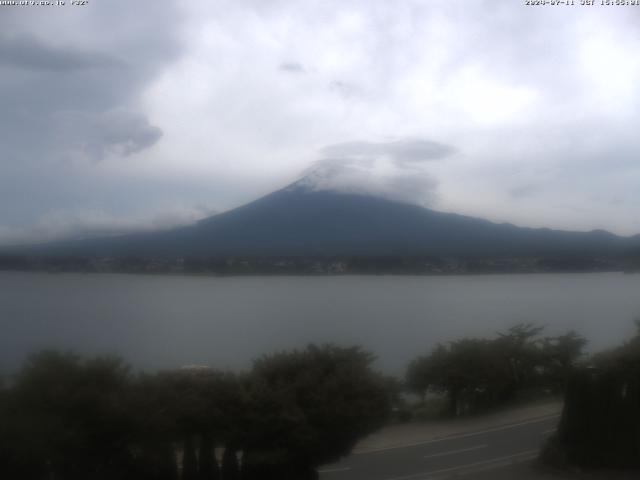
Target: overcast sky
{"x": 126, "y": 114}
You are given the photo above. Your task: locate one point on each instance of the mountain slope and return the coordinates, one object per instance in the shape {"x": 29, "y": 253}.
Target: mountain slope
{"x": 300, "y": 221}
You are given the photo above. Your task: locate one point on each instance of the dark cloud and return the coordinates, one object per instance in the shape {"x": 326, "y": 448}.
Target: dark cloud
{"x": 116, "y": 132}
{"x": 75, "y": 80}
{"x": 292, "y": 67}
{"x": 72, "y": 82}
{"x": 29, "y": 52}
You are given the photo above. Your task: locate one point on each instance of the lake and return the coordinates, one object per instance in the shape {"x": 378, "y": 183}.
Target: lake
{"x": 157, "y": 321}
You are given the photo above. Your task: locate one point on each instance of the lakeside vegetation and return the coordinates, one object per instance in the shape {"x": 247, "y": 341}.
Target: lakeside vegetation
{"x": 600, "y": 424}
{"x": 66, "y": 417}
{"x": 327, "y": 265}
{"x": 478, "y": 374}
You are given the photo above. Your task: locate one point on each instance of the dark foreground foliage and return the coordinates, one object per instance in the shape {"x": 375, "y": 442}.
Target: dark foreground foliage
{"x": 600, "y": 425}
{"x": 476, "y": 374}
{"x": 65, "y": 418}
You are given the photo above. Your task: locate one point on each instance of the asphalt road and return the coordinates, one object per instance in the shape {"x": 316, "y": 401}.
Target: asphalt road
{"x": 491, "y": 453}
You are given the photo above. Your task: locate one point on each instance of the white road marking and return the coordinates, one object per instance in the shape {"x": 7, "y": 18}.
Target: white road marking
{"x": 334, "y": 470}
{"x": 462, "y": 435}
{"x": 453, "y": 452}
{"x": 472, "y": 467}
{"x": 547, "y": 432}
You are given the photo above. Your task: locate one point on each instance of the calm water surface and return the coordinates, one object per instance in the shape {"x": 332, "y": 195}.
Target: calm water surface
{"x": 167, "y": 321}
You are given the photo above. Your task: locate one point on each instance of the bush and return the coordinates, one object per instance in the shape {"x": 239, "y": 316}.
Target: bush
{"x": 479, "y": 374}
{"x": 314, "y": 404}
{"x": 72, "y": 418}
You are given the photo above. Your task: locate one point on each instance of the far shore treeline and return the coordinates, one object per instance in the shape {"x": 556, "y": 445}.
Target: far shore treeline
{"x": 66, "y": 417}
{"x": 327, "y": 264}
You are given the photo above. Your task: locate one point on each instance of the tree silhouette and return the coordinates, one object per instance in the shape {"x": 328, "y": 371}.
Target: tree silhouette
{"x": 476, "y": 373}
{"x": 72, "y": 416}
{"x": 69, "y": 418}
{"x": 309, "y": 407}
{"x": 600, "y": 423}
{"x": 230, "y": 469}
{"x": 207, "y": 467}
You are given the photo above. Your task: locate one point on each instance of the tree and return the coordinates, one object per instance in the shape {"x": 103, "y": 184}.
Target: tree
{"x": 428, "y": 372}
{"x": 561, "y": 354}
{"x": 625, "y": 358}
{"x": 600, "y": 423}
{"x": 521, "y": 347}
{"x": 230, "y": 469}
{"x": 480, "y": 373}
{"x": 207, "y": 466}
{"x": 472, "y": 373}
{"x": 71, "y": 416}
{"x": 310, "y": 407}
{"x": 188, "y": 408}
{"x": 189, "y": 459}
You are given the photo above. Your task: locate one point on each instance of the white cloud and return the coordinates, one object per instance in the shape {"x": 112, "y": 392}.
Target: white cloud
{"x": 83, "y": 223}
{"x": 246, "y": 94}
{"x": 392, "y": 170}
